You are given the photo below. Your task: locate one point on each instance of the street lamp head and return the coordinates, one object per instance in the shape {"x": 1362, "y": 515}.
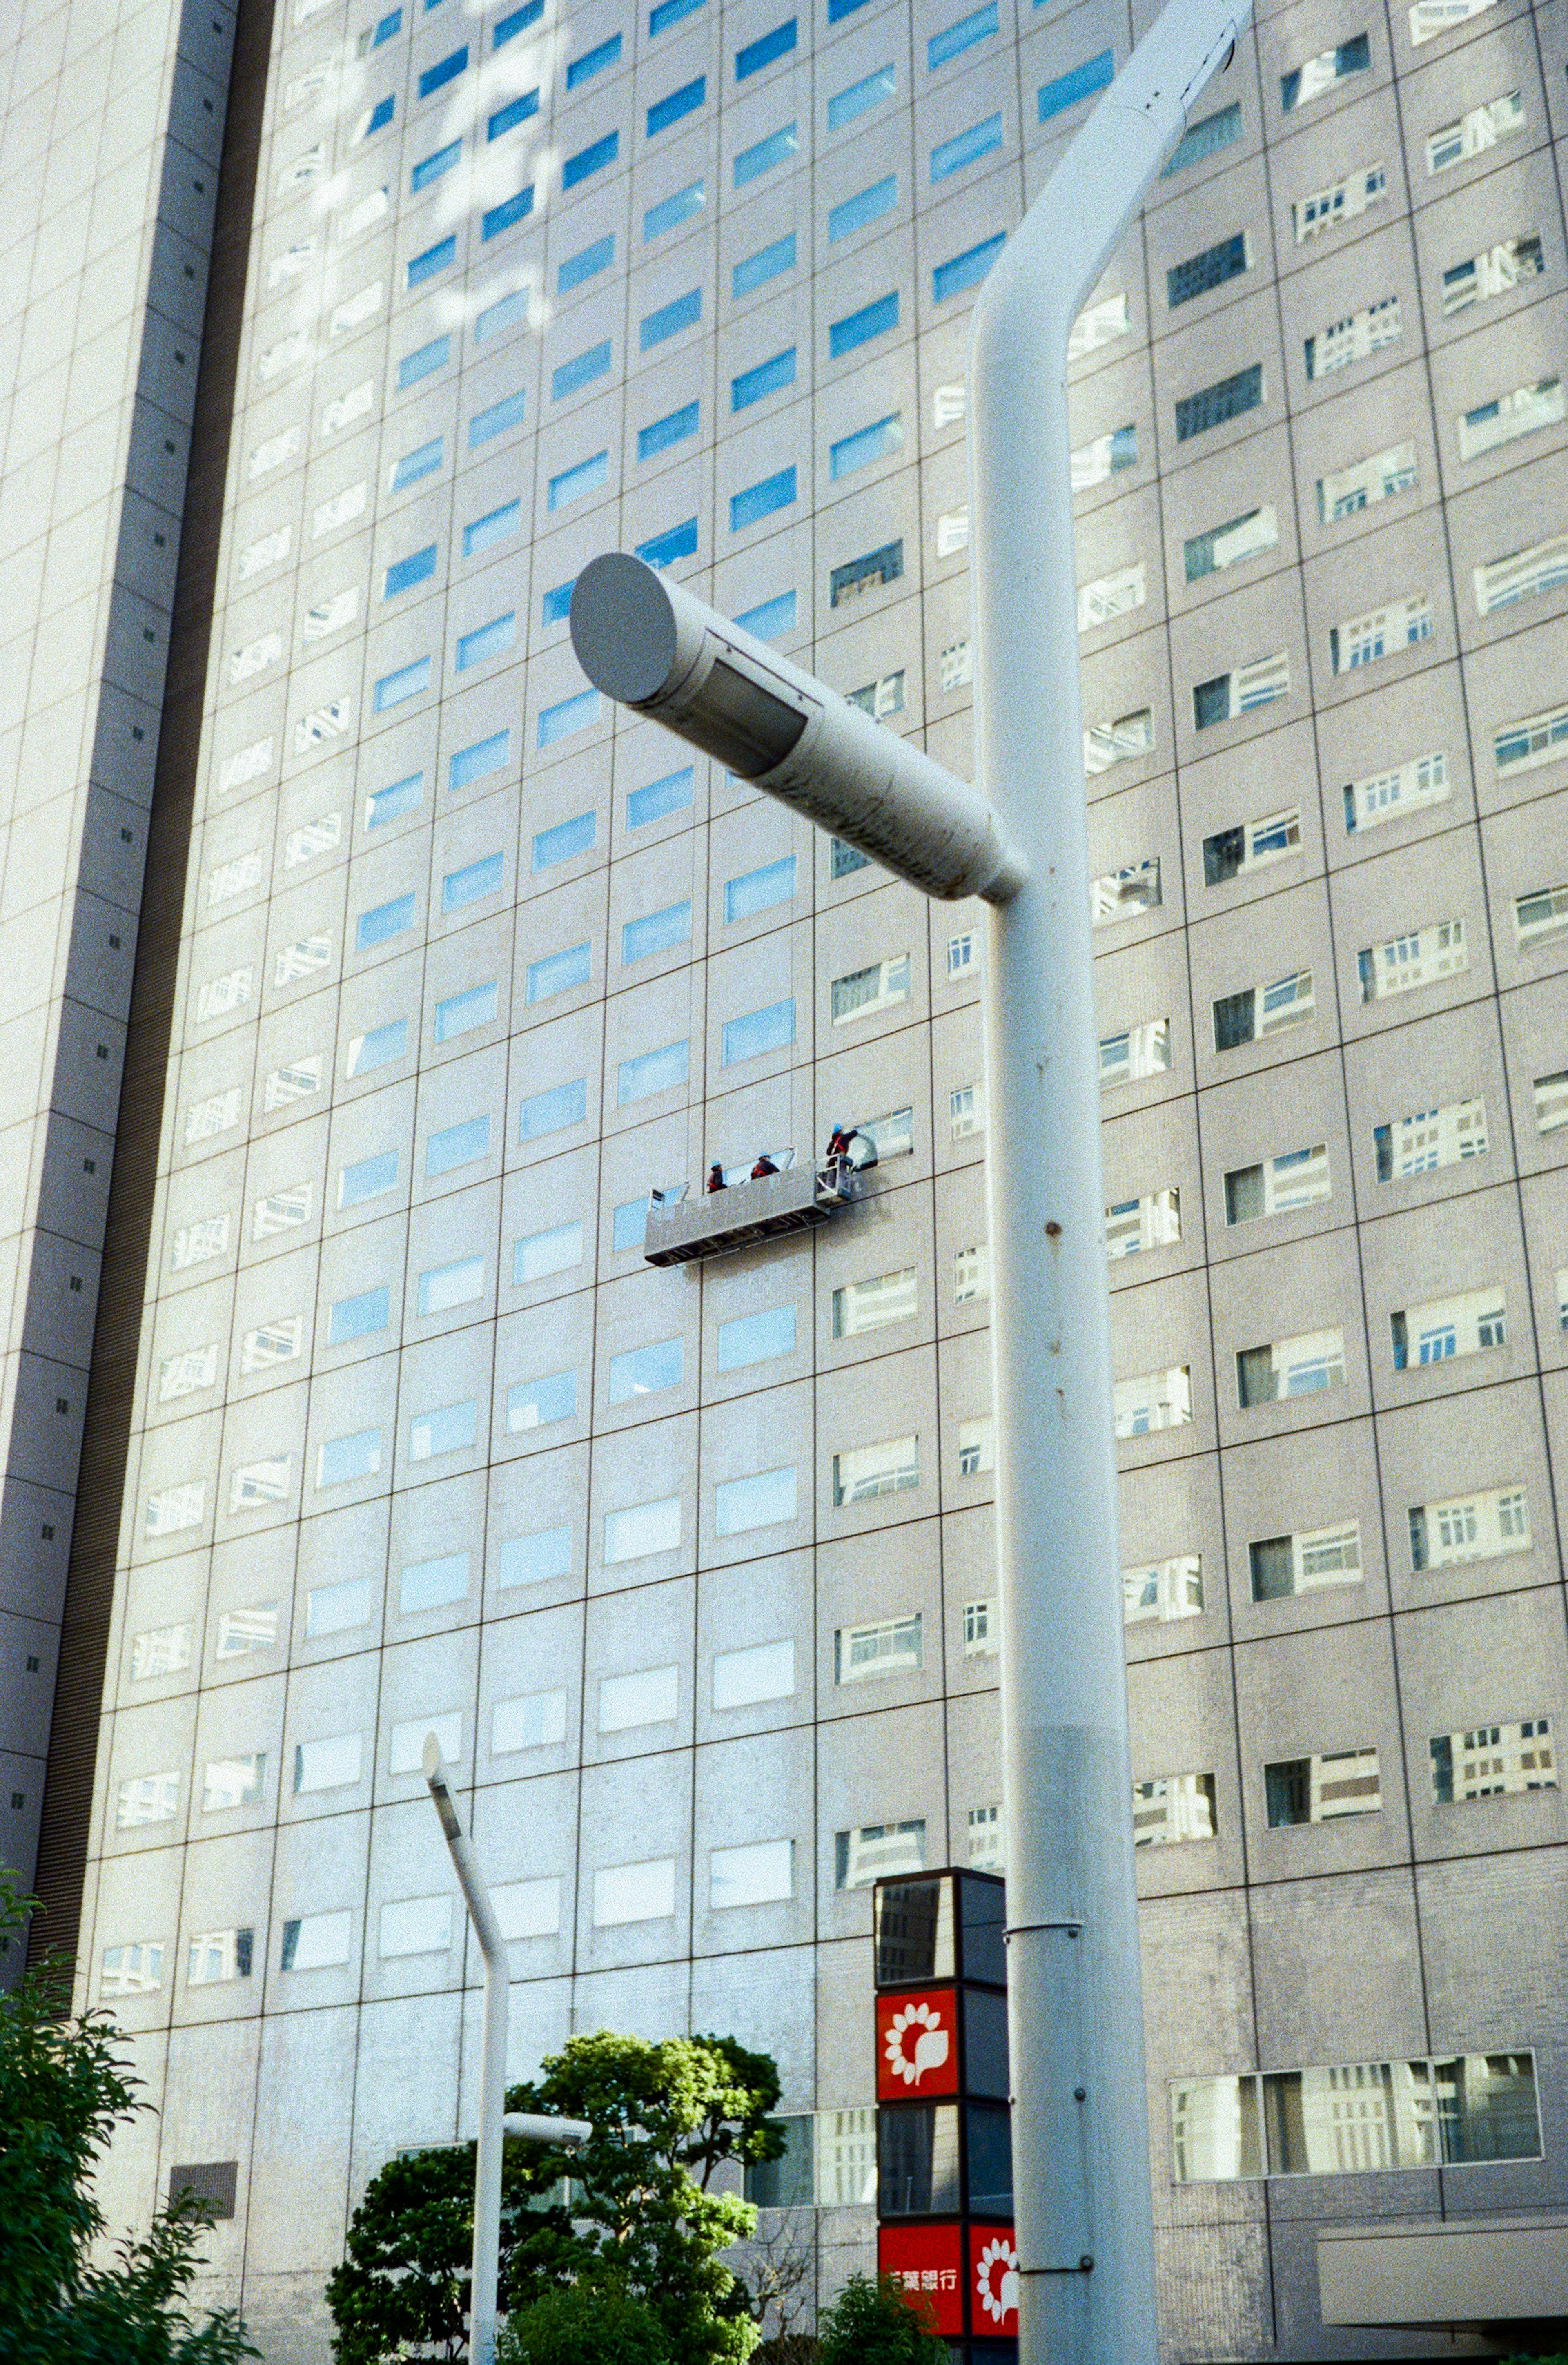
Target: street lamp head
{"x": 440, "y": 1789}
{"x": 650, "y": 644}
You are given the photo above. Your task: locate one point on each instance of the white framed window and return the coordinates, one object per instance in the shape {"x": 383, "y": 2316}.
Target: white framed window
{"x": 1419, "y": 781}
{"x": 966, "y": 1110}
{"x": 1361, "y": 640}
{"x": 1310, "y": 80}
{"x": 1478, "y": 129}
{"x": 1172, "y": 1809}
{"x": 161, "y": 1651}
{"x": 624, "y": 1893}
{"x": 136, "y": 1969}
{"x": 332, "y": 1763}
{"x": 272, "y": 1343}
{"x": 872, "y": 1851}
{"x": 1492, "y": 1761}
{"x": 1283, "y": 1566}
{"x": 315, "y": 1941}
{"x": 174, "y": 1507}
{"x": 952, "y": 532}
{"x": 1345, "y": 492}
{"x": 963, "y": 953}
{"x": 1096, "y": 463}
{"x": 233, "y": 1782}
{"x": 1260, "y": 1011}
{"x": 889, "y": 1646}
{"x": 1096, "y": 325}
{"x": 1419, "y": 958}
{"x": 982, "y": 1635}
{"x": 864, "y": 991}
{"x": 1536, "y": 739}
{"x": 1431, "y": 17}
{"x": 1510, "y": 416}
{"x": 1443, "y": 1328}
{"x": 1119, "y": 740}
{"x": 1153, "y": 1401}
{"x": 1110, "y": 595}
{"x": 1541, "y": 916}
{"x": 1163, "y": 1591}
{"x": 146, "y": 1798}
{"x": 862, "y": 1473}
{"x": 1551, "y": 1097}
{"x": 891, "y": 1133}
{"x": 1354, "y": 339}
{"x": 1493, "y": 272}
{"x": 1251, "y": 845}
{"x": 985, "y": 1840}
{"x": 1431, "y": 1139}
{"x": 880, "y": 698}
{"x": 182, "y": 1375}
{"x": 948, "y": 404}
{"x": 977, "y": 1446}
{"x": 1137, "y": 1052}
{"x": 1280, "y": 1185}
{"x": 256, "y": 1483}
{"x": 760, "y": 1873}
{"x": 1229, "y": 696}
{"x": 1323, "y": 1788}
{"x": 861, "y": 1306}
{"x": 217, "y": 1955}
{"x": 1151, "y": 1221}
{"x": 758, "y": 1672}
{"x": 1481, "y": 1526}
{"x": 1340, "y": 202}
{"x": 1304, "y": 1365}
{"x": 1222, "y": 547}
{"x": 1123, "y": 894}
{"x": 971, "y": 1274}
{"x": 1502, "y": 581}
{"x": 956, "y": 667}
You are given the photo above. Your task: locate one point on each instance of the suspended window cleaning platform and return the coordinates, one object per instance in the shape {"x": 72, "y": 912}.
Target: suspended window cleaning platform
{"x": 682, "y": 1229}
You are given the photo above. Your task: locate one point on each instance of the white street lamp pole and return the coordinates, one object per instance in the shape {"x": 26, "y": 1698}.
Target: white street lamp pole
{"x": 1082, "y": 2201}
{"x": 494, "y": 2120}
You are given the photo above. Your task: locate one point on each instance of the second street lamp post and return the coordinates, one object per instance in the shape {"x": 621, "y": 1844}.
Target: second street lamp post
{"x": 1082, "y": 2199}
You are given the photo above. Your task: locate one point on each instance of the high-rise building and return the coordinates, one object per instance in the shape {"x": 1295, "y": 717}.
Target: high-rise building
{"x": 389, "y": 972}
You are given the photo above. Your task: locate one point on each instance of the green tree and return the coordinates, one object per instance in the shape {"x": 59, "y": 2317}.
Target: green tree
{"x": 595, "y": 2322}
{"x": 875, "y": 2323}
{"x": 64, "y": 2087}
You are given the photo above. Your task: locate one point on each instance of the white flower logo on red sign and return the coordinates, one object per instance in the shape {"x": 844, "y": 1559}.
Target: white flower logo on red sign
{"x": 996, "y": 2279}
{"x": 916, "y": 2042}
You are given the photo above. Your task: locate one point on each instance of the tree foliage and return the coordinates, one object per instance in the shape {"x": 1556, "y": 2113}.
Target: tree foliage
{"x": 669, "y": 2120}
{"x": 595, "y": 2322}
{"x": 64, "y": 2087}
{"x": 877, "y": 2324}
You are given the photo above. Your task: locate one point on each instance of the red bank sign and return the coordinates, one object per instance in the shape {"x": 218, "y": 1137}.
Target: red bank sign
{"x": 929, "y": 2262}
{"x": 917, "y": 2045}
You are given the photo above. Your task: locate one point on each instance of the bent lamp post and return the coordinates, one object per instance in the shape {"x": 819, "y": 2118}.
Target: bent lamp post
{"x": 494, "y": 2120}
{"x": 1082, "y": 2198}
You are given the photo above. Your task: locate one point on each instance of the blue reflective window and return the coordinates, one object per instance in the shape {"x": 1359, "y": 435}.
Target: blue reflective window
{"x": 387, "y": 27}
{"x": 457, "y": 1144}
{"x": 559, "y": 973}
{"x": 355, "y": 1318}
{"x": 950, "y": 156}
{"x": 495, "y": 526}
{"x": 509, "y": 26}
{"x": 511, "y": 209}
{"x": 652, "y": 1072}
{"x": 580, "y": 371}
{"x": 445, "y": 1428}
{"x": 758, "y": 890}
{"x": 556, "y": 604}
{"x": 868, "y": 206}
{"x": 340, "y": 1459}
{"x": 684, "y": 312}
{"x": 516, "y": 110}
{"x": 1080, "y": 82}
{"x": 764, "y": 265}
{"x": 838, "y": 10}
{"x": 878, "y": 441}
{"x": 539, "y": 1254}
{"x": 434, "y": 259}
{"x": 771, "y": 618}
{"x": 966, "y": 269}
{"x": 591, "y": 159}
{"x": 379, "y": 1048}
{"x": 407, "y": 682}
{"x": 558, "y": 722}
{"x": 761, "y": 1501}
{"x": 845, "y": 106}
{"x": 669, "y": 13}
{"x": 587, "y": 264}
{"x": 533, "y": 1404}
{"x": 548, "y": 1112}
{"x": 672, "y": 211}
{"x": 486, "y": 641}
{"x": 430, "y": 168}
{"x": 682, "y": 102}
{"x": 475, "y": 763}
{"x": 399, "y": 797}
{"x": 533, "y": 1560}
{"x": 767, "y": 378}
{"x": 760, "y": 501}
{"x": 955, "y": 39}
{"x": 674, "y": 428}
{"x": 499, "y": 419}
{"x": 565, "y": 841}
{"x": 416, "y": 365}
{"x": 422, "y": 462}
{"x": 772, "y": 1029}
{"x": 860, "y": 328}
{"x": 379, "y": 116}
{"x": 461, "y": 1013}
{"x": 504, "y": 313}
{"x": 765, "y": 49}
{"x": 754, "y": 1337}
{"x": 656, "y": 932}
{"x": 1202, "y": 139}
{"x": 367, "y": 1178}
{"x": 445, "y": 70}
{"x": 573, "y": 482}
{"x": 404, "y": 573}
{"x": 374, "y": 926}
{"x": 629, "y": 1224}
{"x": 676, "y": 542}
{"x": 776, "y": 149}
{"x": 672, "y": 794}
{"x": 473, "y": 883}
{"x": 640, "y": 1370}
{"x": 593, "y": 62}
